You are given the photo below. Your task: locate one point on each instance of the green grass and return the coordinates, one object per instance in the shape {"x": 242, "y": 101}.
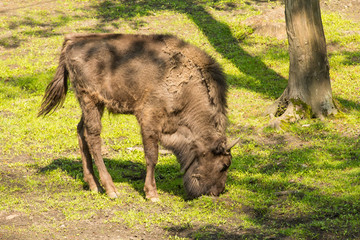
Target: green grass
{"x": 302, "y": 183}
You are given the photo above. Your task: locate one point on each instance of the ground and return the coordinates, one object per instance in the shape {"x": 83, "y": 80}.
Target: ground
{"x": 15, "y": 225}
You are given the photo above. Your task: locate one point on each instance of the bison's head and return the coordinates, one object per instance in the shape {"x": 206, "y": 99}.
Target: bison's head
{"x": 207, "y": 173}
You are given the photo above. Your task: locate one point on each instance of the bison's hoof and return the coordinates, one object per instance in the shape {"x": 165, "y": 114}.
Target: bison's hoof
{"x": 113, "y": 194}
{"x": 97, "y": 190}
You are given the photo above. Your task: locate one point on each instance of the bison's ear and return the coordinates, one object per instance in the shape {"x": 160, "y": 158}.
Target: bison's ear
{"x": 219, "y": 146}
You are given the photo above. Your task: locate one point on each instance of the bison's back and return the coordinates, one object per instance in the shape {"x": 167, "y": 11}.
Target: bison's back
{"x": 127, "y": 72}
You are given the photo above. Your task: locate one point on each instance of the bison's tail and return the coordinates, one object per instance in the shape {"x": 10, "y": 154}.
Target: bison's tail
{"x": 56, "y": 90}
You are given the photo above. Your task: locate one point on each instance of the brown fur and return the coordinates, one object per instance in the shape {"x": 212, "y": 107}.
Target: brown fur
{"x": 176, "y": 91}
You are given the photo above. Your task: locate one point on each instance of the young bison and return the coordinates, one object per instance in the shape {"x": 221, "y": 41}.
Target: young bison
{"x": 176, "y": 91}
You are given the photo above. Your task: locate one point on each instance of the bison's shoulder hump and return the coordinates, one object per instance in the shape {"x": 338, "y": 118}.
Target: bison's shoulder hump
{"x": 199, "y": 57}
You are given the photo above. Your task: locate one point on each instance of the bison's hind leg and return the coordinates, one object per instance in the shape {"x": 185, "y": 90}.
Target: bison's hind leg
{"x": 89, "y": 130}
{"x": 89, "y": 175}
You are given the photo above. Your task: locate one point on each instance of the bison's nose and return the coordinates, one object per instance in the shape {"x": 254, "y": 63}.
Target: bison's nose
{"x": 216, "y": 190}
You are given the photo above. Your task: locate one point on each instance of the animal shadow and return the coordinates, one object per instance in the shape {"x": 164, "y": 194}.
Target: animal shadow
{"x": 168, "y": 176}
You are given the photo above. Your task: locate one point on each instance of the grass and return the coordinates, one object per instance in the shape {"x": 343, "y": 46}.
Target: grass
{"x": 302, "y": 183}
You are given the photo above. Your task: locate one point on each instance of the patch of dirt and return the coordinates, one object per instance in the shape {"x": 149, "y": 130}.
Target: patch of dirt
{"x": 348, "y": 9}
{"x": 271, "y": 21}
{"x": 6, "y": 113}
{"x": 92, "y": 229}
{"x": 15, "y": 225}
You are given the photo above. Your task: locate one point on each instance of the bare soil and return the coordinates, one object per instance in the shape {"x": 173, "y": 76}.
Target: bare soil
{"x": 271, "y": 22}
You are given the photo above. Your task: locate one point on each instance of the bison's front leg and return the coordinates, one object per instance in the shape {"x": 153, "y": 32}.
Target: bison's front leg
{"x": 151, "y": 149}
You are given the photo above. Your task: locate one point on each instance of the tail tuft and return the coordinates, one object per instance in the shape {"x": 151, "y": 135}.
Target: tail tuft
{"x": 55, "y": 92}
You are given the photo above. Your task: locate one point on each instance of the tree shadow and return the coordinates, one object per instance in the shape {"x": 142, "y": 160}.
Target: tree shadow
{"x": 213, "y": 232}
{"x": 218, "y": 34}
{"x": 269, "y": 176}
{"x": 258, "y": 76}
{"x": 221, "y": 38}
{"x": 35, "y": 82}
{"x": 43, "y": 30}
{"x": 352, "y": 58}
{"x": 348, "y": 104}
{"x": 264, "y": 1}
{"x": 31, "y": 25}
{"x": 324, "y": 220}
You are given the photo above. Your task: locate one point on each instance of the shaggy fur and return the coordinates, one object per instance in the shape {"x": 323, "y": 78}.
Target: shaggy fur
{"x": 175, "y": 90}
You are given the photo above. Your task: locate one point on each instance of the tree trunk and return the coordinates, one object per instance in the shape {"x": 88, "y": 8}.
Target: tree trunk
{"x": 309, "y": 90}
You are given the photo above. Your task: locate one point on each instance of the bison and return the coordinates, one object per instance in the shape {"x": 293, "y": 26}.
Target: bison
{"x": 176, "y": 91}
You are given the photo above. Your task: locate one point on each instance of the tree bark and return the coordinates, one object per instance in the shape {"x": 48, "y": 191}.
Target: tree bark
{"x": 309, "y": 90}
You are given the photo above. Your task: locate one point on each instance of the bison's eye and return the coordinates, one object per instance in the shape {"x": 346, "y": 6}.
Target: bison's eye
{"x": 224, "y": 167}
